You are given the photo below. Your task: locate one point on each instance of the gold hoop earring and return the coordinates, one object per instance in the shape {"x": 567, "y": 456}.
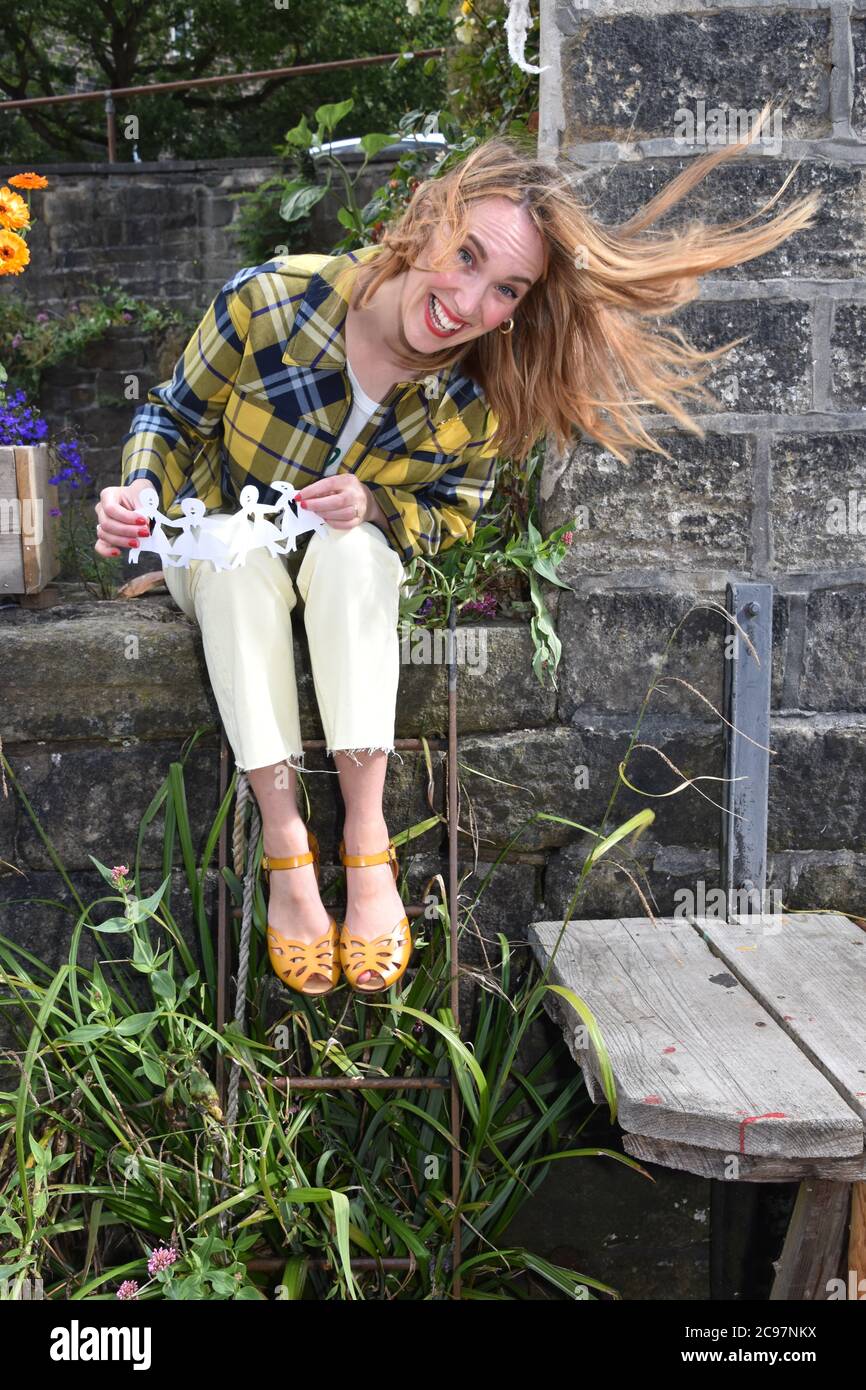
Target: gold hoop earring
{"x": 507, "y": 330}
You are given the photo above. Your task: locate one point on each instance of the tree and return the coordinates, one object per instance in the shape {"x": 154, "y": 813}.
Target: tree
{"x": 51, "y": 47}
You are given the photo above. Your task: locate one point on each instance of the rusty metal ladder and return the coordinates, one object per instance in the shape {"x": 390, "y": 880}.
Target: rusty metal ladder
{"x": 343, "y": 1083}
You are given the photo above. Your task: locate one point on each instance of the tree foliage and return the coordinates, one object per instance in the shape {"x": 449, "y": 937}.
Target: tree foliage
{"x": 52, "y": 47}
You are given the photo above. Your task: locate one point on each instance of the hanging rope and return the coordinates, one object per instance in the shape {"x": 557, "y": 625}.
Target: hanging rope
{"x": 242, "y": 796}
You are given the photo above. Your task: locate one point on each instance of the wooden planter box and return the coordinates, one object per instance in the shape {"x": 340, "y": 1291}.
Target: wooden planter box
{"x": 29, "y": 552}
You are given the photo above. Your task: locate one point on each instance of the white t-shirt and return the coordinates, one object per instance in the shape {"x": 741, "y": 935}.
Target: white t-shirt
{"x": 362, "y": 409}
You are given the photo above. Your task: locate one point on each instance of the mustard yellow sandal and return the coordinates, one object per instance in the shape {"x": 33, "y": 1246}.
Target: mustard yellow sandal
{"x": 387, "y": 955}
{"x": 296, "y": 961}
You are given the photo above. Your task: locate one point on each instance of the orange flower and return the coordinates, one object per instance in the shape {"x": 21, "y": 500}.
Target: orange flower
{"x": 14, "y": 255}
{"x": 14, "y": 212}
{"x": 28, "y": 181}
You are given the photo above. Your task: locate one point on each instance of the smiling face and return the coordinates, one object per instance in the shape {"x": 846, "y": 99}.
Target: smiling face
{"x": 491, "y": 272}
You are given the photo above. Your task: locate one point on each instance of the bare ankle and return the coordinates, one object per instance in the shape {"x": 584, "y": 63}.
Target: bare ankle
{"x": 286, "y": 837}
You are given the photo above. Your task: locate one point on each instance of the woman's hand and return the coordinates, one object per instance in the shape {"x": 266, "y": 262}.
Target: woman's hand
{"x": 119, "y": 522}
{"x": 341, "y": 499}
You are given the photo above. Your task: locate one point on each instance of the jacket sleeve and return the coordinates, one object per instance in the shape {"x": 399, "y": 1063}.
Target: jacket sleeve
{"x": 179, "y": 416}
{"x": 435, "y": 515}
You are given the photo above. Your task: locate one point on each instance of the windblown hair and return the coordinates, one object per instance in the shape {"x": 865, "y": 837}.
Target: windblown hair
{"x": 582, "y": 353}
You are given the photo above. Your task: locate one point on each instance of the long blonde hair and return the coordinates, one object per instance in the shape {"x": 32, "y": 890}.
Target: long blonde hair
{"x": 580, "y": 354}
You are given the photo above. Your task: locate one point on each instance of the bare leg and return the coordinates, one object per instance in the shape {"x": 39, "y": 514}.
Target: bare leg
{"x": 373, "y": 903}
{"x": 295, "y": 909}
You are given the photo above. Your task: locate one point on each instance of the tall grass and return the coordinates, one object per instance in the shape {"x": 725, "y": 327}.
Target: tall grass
{"x": 113, "y": 1143}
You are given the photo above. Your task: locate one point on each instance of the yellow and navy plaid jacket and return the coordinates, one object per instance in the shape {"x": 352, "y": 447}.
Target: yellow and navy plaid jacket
{"x": 261, "y": 394}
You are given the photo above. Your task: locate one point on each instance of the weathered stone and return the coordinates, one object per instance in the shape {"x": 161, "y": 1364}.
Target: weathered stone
{"x": 653, "y": 513}
{"x": 847, "y": 344}
{"x": 615, "y": 643}
{"x": 816, "y": 784}
{"x": 137, "y": 667}
{"x": 818, "y": 502}
{"x": 831, "y": 247}
{"x": 630, "y": 75}
{"x": 835, "y": 650}
{"x": 570, "y": 773}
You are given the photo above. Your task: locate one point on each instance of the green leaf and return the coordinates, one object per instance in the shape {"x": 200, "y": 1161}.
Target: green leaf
{"x": 86, "y": 1033}
{"x": 153, "y": 1070}
{"x": 300, "y": 199}
{"x": 545, "y": 568}
{"x": 331, "y": 114}
{"x": 372, "y": 144}
{"x": 134, "y": 1023}
{"x": 114, "y": 924}
{"x": 163, "y": 985}
{"x": 300, "y": 136}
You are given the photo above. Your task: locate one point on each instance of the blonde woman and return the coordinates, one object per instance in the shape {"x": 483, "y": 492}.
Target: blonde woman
{"x": 384, "y": 384}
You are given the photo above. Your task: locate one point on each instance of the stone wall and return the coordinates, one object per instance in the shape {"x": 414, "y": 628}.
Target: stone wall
{"x": 776, "y": 491}
{"x": 165, "y": 232}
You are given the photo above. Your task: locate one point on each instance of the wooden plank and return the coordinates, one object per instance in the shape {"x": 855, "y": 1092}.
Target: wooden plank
{"x": 726, "y": 1167}
{"x": 808, "y": 971}
{"x": 29, "y": 551}
{"x": 814, "y": 1241}
{"x": 39, "y": 547}
{"x": 695, "y": 1057}
{"x": 11, "y": 558}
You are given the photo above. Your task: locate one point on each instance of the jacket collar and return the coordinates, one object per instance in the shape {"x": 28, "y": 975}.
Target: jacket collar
{"x": 317, "y": 335}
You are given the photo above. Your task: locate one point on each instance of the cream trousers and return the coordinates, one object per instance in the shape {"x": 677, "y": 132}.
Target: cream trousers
{"x": 350, "y": 583}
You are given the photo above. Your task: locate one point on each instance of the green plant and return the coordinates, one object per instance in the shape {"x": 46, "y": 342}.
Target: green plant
{"x": 116, "y": 1160}
{"x": 489, "y": 575}
{"x": 30, "y": 342}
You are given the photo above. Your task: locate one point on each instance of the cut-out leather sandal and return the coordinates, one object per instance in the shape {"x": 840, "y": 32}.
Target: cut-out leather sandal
{"x": 294, "y": 962}
{"x": 387, "y": 955}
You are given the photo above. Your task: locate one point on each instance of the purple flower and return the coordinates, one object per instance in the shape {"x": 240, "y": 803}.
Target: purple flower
{"x": 128, "y": 1289}
{"x": 127, "y": 316}
{"x": 17, "y": 341}
{"x": 485, "y": 607}
{"x": 425, "y": 607}
{"x": 42, "y": 318}
{"x": 161, "y": 1259}
{"x": 19, "y": 423}
{"x": 54, "y": 511}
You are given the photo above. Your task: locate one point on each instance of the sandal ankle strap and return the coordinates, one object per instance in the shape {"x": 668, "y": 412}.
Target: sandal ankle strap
{"x": 293, "y": 861}
{"x": 360, "y": 861}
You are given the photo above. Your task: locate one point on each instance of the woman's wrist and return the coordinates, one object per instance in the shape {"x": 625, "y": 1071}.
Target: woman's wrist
{"x": 373, "y": 511}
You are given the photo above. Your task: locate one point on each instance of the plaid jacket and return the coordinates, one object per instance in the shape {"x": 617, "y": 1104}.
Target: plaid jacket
{"x": 261, "y": 394}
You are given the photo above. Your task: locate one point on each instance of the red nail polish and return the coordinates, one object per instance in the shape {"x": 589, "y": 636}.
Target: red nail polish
{"x": 302, "y": 502}
{"x": 133, "y": 545}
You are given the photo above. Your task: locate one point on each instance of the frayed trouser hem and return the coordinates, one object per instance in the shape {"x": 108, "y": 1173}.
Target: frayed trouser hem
{"x": 296, "y": 760}
{"x": 377, "y": 748}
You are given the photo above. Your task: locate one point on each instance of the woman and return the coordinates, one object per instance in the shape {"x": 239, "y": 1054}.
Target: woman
{"x": 521, "y": 316}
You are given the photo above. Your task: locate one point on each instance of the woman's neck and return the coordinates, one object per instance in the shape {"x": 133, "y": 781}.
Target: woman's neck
{"x": 367, "y": 333}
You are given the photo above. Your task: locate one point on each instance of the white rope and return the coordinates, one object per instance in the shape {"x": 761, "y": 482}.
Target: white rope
{"x": 516, "y": 28}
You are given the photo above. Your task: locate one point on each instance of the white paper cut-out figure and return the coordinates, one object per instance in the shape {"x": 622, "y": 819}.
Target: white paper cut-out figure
{"x": 257, "y": 531}
{"x": 157, "y": 542}
{"x": 293, "y": 524}
{"x": 208, "y": 545}
{"x": 189, "y": 546}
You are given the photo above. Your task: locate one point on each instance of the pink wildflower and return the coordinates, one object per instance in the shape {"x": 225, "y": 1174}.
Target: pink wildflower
{"x": 161, "y": 1259}
{"x": 119, "y": 872}
{"x": 128, "y": 1289}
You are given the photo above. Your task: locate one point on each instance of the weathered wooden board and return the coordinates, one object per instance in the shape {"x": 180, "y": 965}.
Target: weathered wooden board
{"x": 696, "y": 1058}
{"x": 808, "y": 970}
{"x": 29, "y": 556}
{"x": 725, "y": 1167}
